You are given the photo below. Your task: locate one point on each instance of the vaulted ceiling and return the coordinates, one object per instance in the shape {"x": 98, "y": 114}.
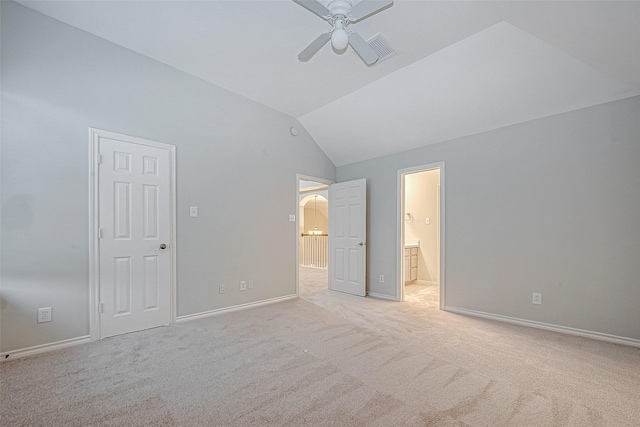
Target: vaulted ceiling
{"x": 461, "y": 68}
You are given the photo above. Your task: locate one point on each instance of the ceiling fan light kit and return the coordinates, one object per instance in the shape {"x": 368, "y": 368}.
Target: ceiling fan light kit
{"x": 339, "y": 36}
{"x": 339, "y": 14}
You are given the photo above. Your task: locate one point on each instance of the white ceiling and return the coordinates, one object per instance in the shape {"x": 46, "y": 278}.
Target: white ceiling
{"x": 492, "y": 79}
{"x": 462, "y": 67}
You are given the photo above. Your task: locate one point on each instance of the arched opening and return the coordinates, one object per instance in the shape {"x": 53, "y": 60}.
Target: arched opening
{"x": 313, "y": 228}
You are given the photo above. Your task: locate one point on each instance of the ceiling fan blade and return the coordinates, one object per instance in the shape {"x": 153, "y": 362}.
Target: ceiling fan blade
{"x": 366, "y": 52}
{"x": 366, "y": 8}
{"x": 314, "y": 47}
{"x": 315, "y": 7}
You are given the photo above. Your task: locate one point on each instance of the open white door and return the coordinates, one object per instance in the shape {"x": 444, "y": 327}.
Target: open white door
{"x": 347, "y": 237}
{"x": 134, "y": 236}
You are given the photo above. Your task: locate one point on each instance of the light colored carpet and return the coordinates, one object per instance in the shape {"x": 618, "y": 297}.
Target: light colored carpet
{"x": 329, "y": 359}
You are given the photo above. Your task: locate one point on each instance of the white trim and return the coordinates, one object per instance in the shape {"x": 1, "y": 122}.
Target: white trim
{"x": 381, "y": 296}
{"x": 203, "y": 314}
{"x": 94, "y": 245}
{"x": 300, "y": 177}
{"x": 426, "y": 283}
{"x": 547, "y": 326}
{"x": 94, "y": 261}
{"x": 400, "y": 229}
{"x": 43, "y": 348}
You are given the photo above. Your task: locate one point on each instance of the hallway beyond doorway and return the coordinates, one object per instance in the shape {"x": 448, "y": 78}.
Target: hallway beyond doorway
{"x": 312, "y": 281}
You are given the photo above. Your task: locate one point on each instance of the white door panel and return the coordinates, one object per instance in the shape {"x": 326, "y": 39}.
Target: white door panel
{"x": 134, "y": 218}
{"x": 347, "y": 237}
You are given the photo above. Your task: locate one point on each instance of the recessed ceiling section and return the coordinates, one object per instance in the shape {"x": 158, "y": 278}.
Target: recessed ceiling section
{"x": 497, "y": 77}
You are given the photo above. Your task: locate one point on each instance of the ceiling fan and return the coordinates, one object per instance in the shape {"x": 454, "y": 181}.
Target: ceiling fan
{"x": 339, "y": 14}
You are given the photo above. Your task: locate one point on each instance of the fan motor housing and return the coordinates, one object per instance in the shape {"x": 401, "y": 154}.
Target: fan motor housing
{"x": 339, "y": 7}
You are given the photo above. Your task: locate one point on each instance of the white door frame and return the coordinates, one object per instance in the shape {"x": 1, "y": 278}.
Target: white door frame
{"x": 297, "y": 213}
{"x": 94, "y": 244}
{"x": 400, "y": 222}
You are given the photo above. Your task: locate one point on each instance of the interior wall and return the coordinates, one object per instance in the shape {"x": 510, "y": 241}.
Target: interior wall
{"x": 421, "y": 201}
{"x": 550, "y": 206}
{"x": 58, "y": 81}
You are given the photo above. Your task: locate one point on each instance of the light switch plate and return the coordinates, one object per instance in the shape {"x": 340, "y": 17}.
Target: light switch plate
{"x": 193, "y": 211}
{"x": 292, "y": 218}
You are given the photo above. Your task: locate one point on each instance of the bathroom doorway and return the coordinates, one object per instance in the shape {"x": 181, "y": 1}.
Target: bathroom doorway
{"x": 312, "y": 235}
{"x": 420, "y": 260}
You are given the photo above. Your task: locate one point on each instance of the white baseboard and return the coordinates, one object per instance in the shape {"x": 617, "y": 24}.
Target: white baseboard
{"x": 203, "y": 314}
{"x": 29, "y": 351}
{"x": 426, "y": 282}
{"x": 381, "y": 296}
{"x": 314, "y": 267}
{"x": 547, "y": 326}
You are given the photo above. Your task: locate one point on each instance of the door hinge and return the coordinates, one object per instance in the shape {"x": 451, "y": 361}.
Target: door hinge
{"x": 99, "y": 158}
{"x": 99, "y": 233}
{"x": 101, "y": 308}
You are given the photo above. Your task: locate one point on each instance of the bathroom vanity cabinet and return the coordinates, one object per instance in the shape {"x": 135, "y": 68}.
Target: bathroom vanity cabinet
{"x": 410, "y": 264}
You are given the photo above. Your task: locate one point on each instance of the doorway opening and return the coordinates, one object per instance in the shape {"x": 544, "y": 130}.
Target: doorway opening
{"x": 312, "y": 235}
{"x": 420, "y": 236}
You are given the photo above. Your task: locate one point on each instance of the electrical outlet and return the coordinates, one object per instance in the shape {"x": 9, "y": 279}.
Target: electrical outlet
{"x": 222, "y": 289}
{"x": 381, "y": 278}
{"x": 243, "y": 285}
{"x": 537, "y": 298}
{"x": 44, "y": 315}
{"x": 250, "y": 284}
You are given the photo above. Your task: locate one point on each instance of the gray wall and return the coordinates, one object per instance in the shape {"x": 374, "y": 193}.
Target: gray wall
{"x": 232, "y": 155}
{"x": 549, "y": 206}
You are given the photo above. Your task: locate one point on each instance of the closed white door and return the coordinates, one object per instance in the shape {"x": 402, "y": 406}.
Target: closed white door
{"x": 347, "y": 237}
{"x": 134, "y": 237}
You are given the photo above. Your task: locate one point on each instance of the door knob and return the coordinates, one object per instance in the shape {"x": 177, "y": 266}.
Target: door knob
{"x": 162, "y": 247}
{"x": 361, "y": 244}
